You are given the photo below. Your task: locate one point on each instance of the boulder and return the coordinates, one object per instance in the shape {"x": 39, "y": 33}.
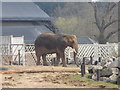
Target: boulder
{"x": 118, "y": 80}
{"x": 87, "y": 61}
{"x": 114, "y": 79}
{"x": 115, "y": 64}
{"x": 115, "y": 71}
{"x": 106, "y": 79}
{"x": 94, "y": 77}
{"x": 103, "y": 63}
{"x": 106, "y": 72}
{"x": 98, "y": 67}
{"x": 93, "y": 68}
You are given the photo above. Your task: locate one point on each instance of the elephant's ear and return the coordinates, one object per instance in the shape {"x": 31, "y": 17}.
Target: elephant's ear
{"x": 63, "y": 39}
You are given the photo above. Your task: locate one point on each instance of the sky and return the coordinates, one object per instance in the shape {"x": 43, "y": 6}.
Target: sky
{"x": 60, "y": 0}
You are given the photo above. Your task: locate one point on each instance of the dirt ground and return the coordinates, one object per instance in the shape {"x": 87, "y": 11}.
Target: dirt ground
{"x": 42, "y": 77}
{"x": 37, "y": 76}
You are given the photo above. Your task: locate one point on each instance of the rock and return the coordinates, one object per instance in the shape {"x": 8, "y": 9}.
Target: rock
{"x": 96, "y": 62}
{"x": 93, "y": 68}
{"x": 98, "y": 67}
{"x": 105, "y": 79}
{"x": 106, "y": 72}
{"x": 115, "y": 64}
{"x": 94, "y": 77}
{"x": 115, "y": 71}
{"x": 103, "y": 63}
{"x": 8, "y": 77}
{"x": 107, "y": 64}
{"x": 90, "y": 76}
{"x": 102, "y": 86}
{"x": 78, "y": 60}
{"x": 118, "y": 80}
{"x": 90, "y": 69}
{"x": 87, "y": 61}
{"x": 113, "y": 79}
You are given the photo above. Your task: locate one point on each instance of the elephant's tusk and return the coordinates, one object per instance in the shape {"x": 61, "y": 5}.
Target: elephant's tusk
{"x": 74, "y": 50}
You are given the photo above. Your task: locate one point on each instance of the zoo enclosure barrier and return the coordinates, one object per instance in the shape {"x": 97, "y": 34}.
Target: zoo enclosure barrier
{"x": 25, "y": 53}
{"x": 12, "y": 53}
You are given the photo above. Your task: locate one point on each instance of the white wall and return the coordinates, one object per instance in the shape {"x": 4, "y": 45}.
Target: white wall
{"x": 17, "y": 40}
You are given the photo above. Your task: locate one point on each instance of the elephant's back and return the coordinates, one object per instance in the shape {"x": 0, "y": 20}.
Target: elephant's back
{"x": 47, "y": 40}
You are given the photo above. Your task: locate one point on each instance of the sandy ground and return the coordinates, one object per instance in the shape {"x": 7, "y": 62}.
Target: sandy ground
{"x": 38, "y": 77}
{"x": 44, "y": 77}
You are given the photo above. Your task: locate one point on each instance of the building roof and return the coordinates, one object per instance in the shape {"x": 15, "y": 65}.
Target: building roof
{"x": 19, "y": 12}
{"x": 30, "y": 33}
{"x": 23, "y": 11}
{"x": 85, "y": 40}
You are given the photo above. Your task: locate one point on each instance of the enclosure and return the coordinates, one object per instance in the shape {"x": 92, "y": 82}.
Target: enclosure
{"x": 24, "y": 54}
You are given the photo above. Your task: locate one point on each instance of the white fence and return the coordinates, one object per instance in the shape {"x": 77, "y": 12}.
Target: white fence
{"x": 98, "y": 50}
{"x": 84, "y": 50}
{"x": 12, "y": 53}
{"x": 27, "y": 53}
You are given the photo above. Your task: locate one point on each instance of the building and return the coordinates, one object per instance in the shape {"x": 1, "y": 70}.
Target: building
{"x": 25, "y": 19}
{"x": 22, "y": 22}
{"x": 85, "y": 40}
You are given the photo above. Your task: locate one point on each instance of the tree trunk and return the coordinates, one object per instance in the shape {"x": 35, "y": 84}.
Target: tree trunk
{"x": 101, "y": 38}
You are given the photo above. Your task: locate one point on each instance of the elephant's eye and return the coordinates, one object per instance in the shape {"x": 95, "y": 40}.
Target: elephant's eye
{"x": 72, "y": 41}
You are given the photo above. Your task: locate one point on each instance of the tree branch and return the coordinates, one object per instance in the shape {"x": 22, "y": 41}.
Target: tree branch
{"x": 108, "y": 24}
{"x": 103, "y": 23}
{"x": 97, "y": 21}
{"x": 109, "y": 8}
{"x": 110, "y": 34}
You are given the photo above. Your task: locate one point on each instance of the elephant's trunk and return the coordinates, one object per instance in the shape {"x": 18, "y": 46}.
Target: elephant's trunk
{"x": 75, "y": 54}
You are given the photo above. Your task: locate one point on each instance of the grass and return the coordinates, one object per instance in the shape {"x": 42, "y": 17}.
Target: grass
{"x": 91, "y": 83}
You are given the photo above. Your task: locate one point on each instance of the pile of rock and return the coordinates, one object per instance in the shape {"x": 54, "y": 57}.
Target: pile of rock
{"x": 109, "y": 72}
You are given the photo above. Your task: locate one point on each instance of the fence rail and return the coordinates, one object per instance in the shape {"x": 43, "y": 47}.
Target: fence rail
{"x": 26, "y": 53}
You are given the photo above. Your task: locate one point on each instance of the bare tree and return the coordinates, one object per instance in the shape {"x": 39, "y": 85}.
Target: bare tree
{"x": 104, "y": 17}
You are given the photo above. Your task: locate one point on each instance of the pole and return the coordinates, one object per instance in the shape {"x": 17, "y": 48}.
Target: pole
{"x": 99, "y": 59}
{"x": 19, "y": 57}
{"x": 98, "y": 74}
{"x": 83, "y": 67}
{"x": 91, "y": 60}
{"x": 67, "y": 60}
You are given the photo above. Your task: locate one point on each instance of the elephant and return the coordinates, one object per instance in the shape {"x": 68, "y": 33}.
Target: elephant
{"x": 49, "y": 43}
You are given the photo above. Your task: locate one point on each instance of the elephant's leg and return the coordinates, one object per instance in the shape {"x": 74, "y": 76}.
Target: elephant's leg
{"x": 58, "y": 59}
{"x": 38, "y": 59}
{"x": 63, "y": 59}
{"x": 38, "y": 55}
{"x": 44, "y": 60}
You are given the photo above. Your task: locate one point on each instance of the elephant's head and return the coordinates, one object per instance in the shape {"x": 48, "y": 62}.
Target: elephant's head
{"x": 71, "y": 40}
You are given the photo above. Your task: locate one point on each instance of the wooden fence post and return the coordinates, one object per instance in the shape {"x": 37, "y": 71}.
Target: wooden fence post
{"x": 84, "y": 60}
{"x": 98, "y": 74}
{"x": 91, "y": 60}
{"x": 83, "y": 67}
{"x": 99, "y": 59}
{"x": 113, "y": 59}
{"x": 54, "y": 62}
{"x": 19, "y": 57}
{"x": 67, "y": 60}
